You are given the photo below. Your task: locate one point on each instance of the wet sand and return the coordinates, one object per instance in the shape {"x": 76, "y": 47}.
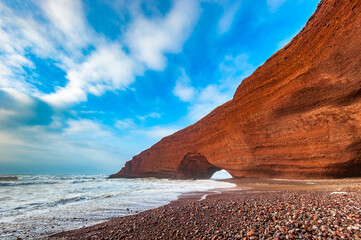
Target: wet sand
{"x": 255, "y": 209}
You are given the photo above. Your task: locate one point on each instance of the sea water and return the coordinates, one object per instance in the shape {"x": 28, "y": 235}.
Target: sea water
{"x": 33, "y": 206}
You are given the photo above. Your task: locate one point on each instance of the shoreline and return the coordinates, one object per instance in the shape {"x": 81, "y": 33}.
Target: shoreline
{"x": 265, "y": 184}
{"x": 35, "y": 208}
{"x": 187, "y": 196}
{"x": 255, "y": 208}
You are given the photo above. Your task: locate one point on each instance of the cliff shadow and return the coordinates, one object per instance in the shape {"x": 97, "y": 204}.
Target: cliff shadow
{"x": 352, "y": 167}
{"x": 196, "y": 165}
{"x": 310, "y": 98}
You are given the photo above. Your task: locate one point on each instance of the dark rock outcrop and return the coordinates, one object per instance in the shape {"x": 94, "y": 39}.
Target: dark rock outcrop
{"x": 297, "y": 116}
{"x": 195, "y": 165}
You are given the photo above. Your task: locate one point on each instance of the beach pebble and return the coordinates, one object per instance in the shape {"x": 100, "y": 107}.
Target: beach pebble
{"x": 251, "y": 233}
{"x": 240, "y": 215}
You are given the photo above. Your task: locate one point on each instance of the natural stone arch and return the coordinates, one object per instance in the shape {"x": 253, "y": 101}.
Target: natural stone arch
{"x": 222, "y": 174}
{"x": 196, "y": 165}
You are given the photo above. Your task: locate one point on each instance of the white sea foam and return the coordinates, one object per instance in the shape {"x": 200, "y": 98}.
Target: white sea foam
{"x": 35, "y": 206}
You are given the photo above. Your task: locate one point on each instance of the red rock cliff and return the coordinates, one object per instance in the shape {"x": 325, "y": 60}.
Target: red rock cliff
{"x": 297, "y": 116}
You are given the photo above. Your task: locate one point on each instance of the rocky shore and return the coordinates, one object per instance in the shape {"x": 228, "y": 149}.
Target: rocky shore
{"x": 242, "y": 214}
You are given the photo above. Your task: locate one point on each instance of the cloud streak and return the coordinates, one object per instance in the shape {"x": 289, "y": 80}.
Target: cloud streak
{"x": 226, "y": 20}
{"x": 150, "y": 39}
{"x": 68, "y": 17}
{"x": 275, "y": 4}
{"x": 106, "y": 69}
{"x": 203, "y": 100}
{"x": 83, "y": 143}
{"x": 183, "y": 90}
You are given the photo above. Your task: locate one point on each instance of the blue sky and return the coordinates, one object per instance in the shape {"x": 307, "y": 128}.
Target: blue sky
{"x": 85, "y": 85}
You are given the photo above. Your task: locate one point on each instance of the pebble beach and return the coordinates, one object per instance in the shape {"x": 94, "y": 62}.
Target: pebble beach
{"x": 324, "y": 210}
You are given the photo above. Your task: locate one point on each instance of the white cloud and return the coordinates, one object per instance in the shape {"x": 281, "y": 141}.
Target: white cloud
{"x": 275, "y": 4}
{"x": 150, "y": 39}
{"x": 226, "y": 20}
{"x": 105, "y": 69}
{"x": 5, "y": 114}
{"x": 21, "y": 35}
{"x": 212, "y": 94}
{"x": 208, "y": 99}
{"x": 130, "y": 128}
{"x": 154, "y": 115}
{"x": 30, "y": 135}
{"x": 236, "y": 66}
{"x": 84, "y": 143}
{"x": 37, "y": 37}
{"x": 91, "y": 112}
{"x": 85, "y": 126}
{"x": 183, "y": 90}
{"x": 19, "y": 97}
{"x": 12, "y": 59}
{"x": 68, "y": 17}
{"x": 7, "y": 138}
{"x": 149, "y": 115}
{"x": 157, "y": 132}
{"x": 203, "y": 100}
{"x": 125, "y": 124}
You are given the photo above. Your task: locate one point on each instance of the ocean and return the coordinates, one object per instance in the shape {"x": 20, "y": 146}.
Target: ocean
{"x": 33, "y": 206}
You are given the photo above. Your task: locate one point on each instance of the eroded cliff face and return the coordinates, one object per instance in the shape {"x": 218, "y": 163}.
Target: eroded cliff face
{"x": 297, "y": 116}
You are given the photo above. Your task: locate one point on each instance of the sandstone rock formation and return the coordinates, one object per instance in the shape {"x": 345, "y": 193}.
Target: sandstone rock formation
{"x": 297, "y": 116}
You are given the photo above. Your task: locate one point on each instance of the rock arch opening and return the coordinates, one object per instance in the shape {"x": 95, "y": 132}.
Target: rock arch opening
{"x": 196, "y": 165}
{"x": 222, "y": 174}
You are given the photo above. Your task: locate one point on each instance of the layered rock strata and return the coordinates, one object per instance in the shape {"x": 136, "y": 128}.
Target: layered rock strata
{"x": 296, "y": 116}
